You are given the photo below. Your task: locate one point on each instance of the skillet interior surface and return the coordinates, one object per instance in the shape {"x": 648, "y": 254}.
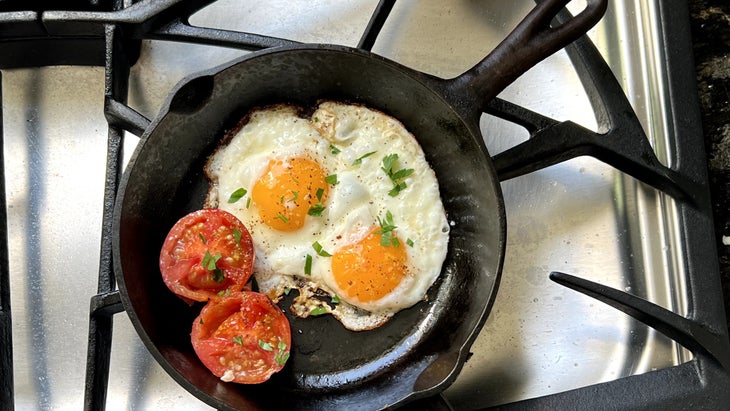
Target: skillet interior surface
{"x": 420, "y": 351}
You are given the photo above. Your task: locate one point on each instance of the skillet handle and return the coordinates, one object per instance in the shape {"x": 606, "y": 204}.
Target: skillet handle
{"x": 529, "y": 43}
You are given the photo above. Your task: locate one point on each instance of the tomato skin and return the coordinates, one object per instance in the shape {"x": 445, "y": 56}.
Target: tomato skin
{"x": 207, "y": 237}
{"x": 243, "y": 337}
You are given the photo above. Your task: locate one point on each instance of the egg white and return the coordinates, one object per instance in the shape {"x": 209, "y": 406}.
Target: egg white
{"x": 274, "y": 133}
{"x": 349, "y": 141}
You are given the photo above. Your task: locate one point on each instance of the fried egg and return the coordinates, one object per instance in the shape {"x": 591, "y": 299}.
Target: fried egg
{"x": 341, "y": 205}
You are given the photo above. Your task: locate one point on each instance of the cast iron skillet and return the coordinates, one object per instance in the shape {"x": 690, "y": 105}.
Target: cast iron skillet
{"x": 422, "y": 349}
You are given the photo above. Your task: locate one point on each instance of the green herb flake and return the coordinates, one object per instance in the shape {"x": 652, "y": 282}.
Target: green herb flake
{"x": 202, "y": 238}
{"x": 402, "y": 173}
{"x": 266, "y": 346}
{"x": 396, "y": 176}
{"x": 282, "y": 355}
{"x": 221, "y": 293}
{"x": 295, "y": 196}
{"x": 218, "y": 275}
{"x": 237, "y": 236}
{"x": 409, "y": 242}
{"x": 320, "y": 251}
{"x": 335, "y": 299}
{"x": 206, "y": 260}
{"x": 334, "y": 149}
{"x": 331, "y": 179}
{"x": 283, "y": 218}
{"x": 287, "y": 290}
{"x": 209, "y": 261}
{"x": 237, "y": 195}
{"x": 387, "y": 224}
{"x": 358, "y": 160}
{"x": 308, "y": 265}
{"x": 215, "y": 259}
{"x": 397, "y": 189}
{"x": 388, "y": 162}
{"x": 319, "y": 310}
{"x": 316, "y": 210}
{"x": 387, "y": 231}
{"x": 248, "y": 202}
{"x": 238, "y": 339}
{"x": 201, "y": 321}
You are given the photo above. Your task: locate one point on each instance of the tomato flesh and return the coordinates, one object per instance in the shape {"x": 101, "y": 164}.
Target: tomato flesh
{"x": 243, "y": 337}
{"x": 206, "y": 253}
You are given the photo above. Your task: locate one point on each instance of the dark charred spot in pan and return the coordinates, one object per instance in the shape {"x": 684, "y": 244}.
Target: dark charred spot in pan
{"x": 192, "y": 95}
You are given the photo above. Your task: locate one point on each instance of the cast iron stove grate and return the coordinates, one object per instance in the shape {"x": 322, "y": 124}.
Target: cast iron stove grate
{"x": 108, "y": 33}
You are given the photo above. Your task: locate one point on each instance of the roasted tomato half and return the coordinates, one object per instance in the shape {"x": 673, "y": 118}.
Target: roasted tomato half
{"x": 207, "y": 252}
{"x": 242, "y": 337}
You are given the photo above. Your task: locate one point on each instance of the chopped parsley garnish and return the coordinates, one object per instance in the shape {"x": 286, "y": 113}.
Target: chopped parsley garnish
{"x": 387, "y": 231}
{"x": 308, "y": 265}
{"x": 316, "y": 210}
{"x": 202, "y": 238}
{"x": 237, "y": 236}
{"x": 238, "y": 339}
{"x": 266, "y": 346}
{"x": 409, "y": 242}
{"x": 319, "y": 310}
{"x": 282, "y": 355}
{"x": 334, "y": 149}
{"x": 396, "y": 176}
{"x": 335, "y": 299}
{"x": 225, "y": 292}
{"x": 237, "y": 195}
{"x": 358, "y": 160}
{"x": 318, "y": 248}
{"x": 209, "y": 262}
{"x": 248, "y": 202}
{"x": 218, "y": 275}
{"x": 331, "y": 179}
{"x": 295, "y": 196}
{"x": 282, "y": 217}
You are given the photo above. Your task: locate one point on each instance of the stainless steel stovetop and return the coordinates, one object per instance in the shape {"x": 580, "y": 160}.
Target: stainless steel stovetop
{"x": 581, "y": 217}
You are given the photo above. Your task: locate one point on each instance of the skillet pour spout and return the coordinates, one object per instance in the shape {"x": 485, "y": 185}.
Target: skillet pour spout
{"x": 421, "y": 350}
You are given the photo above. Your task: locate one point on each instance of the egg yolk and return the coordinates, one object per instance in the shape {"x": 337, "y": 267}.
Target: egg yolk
{"x": 366, "y": 270}
{"x": 287, "y": 191}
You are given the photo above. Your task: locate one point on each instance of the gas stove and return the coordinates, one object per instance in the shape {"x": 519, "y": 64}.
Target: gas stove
{"x": 599, "y": 150}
